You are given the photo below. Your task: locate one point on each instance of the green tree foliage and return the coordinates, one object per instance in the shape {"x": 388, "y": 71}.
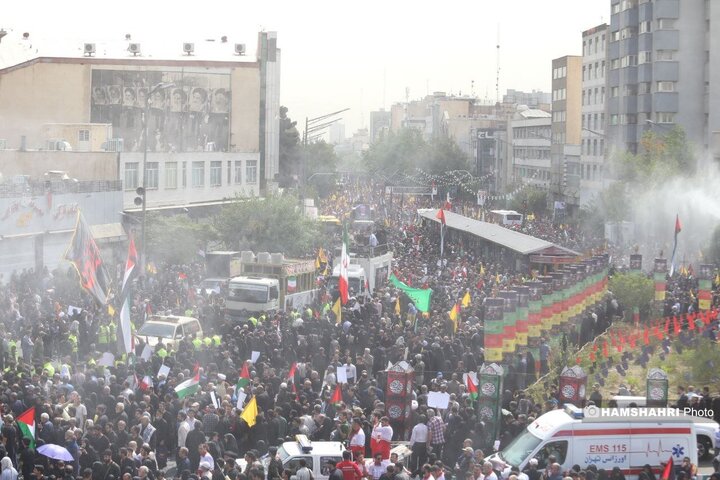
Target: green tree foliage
{"x": 632, "y": 290}
{"x": 175, "y": 239}
{"x": 289, "y": 152}
{"x": 272, "y": 224}
{"x": 713, "y": 250}
{"x": 530, "y": 200}
{"x": 320, "y": 160}
{"x": 663, "y": 156}
{"x": 704, "y": 361}
{"x": 407, "y": 150}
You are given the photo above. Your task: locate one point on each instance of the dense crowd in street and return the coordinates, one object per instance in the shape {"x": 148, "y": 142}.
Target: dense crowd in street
{"x": 117, "y": 425}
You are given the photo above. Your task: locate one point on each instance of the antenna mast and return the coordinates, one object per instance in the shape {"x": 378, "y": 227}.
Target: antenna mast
{"x": 497, "y": 73}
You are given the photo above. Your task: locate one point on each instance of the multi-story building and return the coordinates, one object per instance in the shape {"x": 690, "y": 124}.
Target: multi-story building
{"x": 379, "y": 124}
{"x": 592, "y": 151}
{"x": 664, "y": 70}
{"x": 566, "y": 128}
{"x": 535, "y": 99}
{"x": 204, "y": 103}
{"x": 529, "y": 148}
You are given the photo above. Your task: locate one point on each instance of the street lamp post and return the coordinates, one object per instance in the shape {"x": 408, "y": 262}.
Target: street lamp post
{"x": 314, "y": 128}
{"x": 142, "y": 191}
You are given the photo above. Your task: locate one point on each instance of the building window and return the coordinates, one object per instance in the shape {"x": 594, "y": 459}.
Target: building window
{"x": 614, "y": 64}
{"x": 184, "y": 174}
{"x": 666, "y": 23}
{"x": 131, "y": 176}
{"x": 630, "y": 90}
{"x": 83, "y": 135}
{"x": 251, "y": 171}
{"x": 229, "y": 172}
{"x": 644, "y": 57}
{"x": 665, "y": 86}
{"x": 603, "y": 67}
{"x": 215, "y": 173}
{"x": 613, "y": 119}
{"x": 643, "y": 88}
{"x": 238, "y": 172}
{"x": 645, "y": 27}
{"x": 198, "y": 174}
{"x": 665, "y": 117}
{"x": 171, "y": 172}
{"x": 616, "y": 8}
{"x": 665, "y": 55}
{"x": 614, "y": 92}
{"x": 151, "y": 182}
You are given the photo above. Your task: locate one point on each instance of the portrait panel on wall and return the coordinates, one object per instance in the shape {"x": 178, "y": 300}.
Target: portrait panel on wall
{"x": 198, "y": 99}
{"x": 141, "y": 97}
{"x": 221, "y": 100}
{"x": 178, "y": 100}
{"x": 114, "y": 94}
{"x": 158, "y": 100}
{"x": 129, "y": 96}
{"x": 99, "y": 95}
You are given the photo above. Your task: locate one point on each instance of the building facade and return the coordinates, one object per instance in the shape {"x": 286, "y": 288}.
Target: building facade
{"x": 529, "y": 148}
{"x": 566, "y": 128}
{"x": 592, "y": 151}
{"x": 663, "y": 70}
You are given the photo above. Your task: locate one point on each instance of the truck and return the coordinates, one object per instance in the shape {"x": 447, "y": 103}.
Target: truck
{"x": 270, "y": 282}
{"x": 369, "y": 269}
{"x": 623, "y": 438}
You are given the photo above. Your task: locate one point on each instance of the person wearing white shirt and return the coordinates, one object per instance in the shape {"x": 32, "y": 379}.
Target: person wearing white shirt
{"x": 378, "y": 467}
{"x": 357, "y": 438}
{"x": 351, "y": 371}
{"x": 382, "y": 434}
{"x": 418, "y": 445}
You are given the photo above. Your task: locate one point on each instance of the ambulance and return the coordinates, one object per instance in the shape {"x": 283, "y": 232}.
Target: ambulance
{"x": 608, "y": 438}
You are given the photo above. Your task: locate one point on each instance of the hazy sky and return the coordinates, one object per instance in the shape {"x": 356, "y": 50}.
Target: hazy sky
{"x": 338, "y": 54}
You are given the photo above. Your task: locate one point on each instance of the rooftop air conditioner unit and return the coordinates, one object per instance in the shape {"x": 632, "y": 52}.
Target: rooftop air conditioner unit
{"x": 188, "y": 48}
{"x": 89, "y": 49}
{"x": 240, "y": 49}
{"x": 134, "y": 48}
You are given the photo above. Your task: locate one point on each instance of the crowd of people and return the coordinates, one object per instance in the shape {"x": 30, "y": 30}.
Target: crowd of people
{"x": 125, "y": 421}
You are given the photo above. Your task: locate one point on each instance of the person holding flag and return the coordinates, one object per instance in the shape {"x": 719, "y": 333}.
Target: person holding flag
{"x": 678, "y": 229}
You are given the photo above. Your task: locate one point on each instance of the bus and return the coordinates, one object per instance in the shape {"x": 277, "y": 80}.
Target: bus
{"x": 509, "y": 218}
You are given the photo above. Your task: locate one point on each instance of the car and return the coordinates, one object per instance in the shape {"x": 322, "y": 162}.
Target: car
{"x": 316, "y": 455}
{"x": 170, "y": 328}
{"x": 211, "y": 285}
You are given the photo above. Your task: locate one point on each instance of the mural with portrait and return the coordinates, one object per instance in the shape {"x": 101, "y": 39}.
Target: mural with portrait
{"x": 193, "y": 115}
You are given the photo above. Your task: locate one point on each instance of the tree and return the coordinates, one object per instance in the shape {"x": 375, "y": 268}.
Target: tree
{"x": 289, "y": 152}
{"x": 407, "y": 150}
{"x": 530, "y": 200}
{"x": 320, "y": 160}
{"x": 663, "y": 157}
{"x": 175, "y": 239}
{"x": 271, "y": 224}
{"x": 633, "y": 290}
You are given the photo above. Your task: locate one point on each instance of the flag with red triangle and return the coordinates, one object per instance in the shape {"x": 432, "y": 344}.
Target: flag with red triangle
{"x": 244, "y": 378}
{"x": 472, "y": 389}
{"x": 26, "y": 422}
{"x": 676, "y": 326}
{"x": 605, "y": 352}
{"x": 646, "y": 336}
{"x": 337, "y": 395}
{"x": 668, "y": 471}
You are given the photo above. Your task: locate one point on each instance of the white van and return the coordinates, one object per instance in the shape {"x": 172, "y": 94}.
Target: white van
{"x": 625, "y": 441}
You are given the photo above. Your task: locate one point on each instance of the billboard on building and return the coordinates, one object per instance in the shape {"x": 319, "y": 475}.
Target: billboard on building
{"x": 192, "y": 115}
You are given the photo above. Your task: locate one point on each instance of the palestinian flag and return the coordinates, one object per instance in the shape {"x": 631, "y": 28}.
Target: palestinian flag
{"x": 472, "y": 389}
{"x": 244, "y": 379}
{"x": 668, "y": 471}
{"x": 26, "y": 422}
{"x": 188, "y": 387}
{"x": 337, "y": 395}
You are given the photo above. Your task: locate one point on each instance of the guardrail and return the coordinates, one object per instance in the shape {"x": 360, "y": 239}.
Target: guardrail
{"x": 35, "y": 189}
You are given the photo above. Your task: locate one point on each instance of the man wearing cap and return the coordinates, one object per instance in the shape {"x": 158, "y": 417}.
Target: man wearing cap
{"x": 464, "y": 463}
{"x": 205, "y": 471}
{"x": 532, "y": 471}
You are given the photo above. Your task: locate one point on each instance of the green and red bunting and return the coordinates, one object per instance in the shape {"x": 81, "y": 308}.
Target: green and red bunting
{"x": 472, "y": 389}
{"x": 337, "y": 395}
{"x": 188, "y": 387}
{"x": 244, "y": 379}
{"x": 343, "y": 285}
{"x": 26, "y": 422}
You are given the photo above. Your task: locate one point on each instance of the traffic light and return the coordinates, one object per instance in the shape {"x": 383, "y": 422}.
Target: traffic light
{"x": 140, "y": 199}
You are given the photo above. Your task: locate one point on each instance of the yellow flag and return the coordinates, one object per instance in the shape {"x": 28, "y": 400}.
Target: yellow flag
{"x": 454, "y": 316}
{"x": 317, "y": 262}
{"x": 111, "y": 311}
{"x": 397, "y": 306}
{"x": 250, "y": 413}
{"x": 466, "y": 300}
{"x": 482, "y": 269}
{"x": 497, "y": 278}
{"x": 717, "y": 279}
{"x": 337, "y": 310}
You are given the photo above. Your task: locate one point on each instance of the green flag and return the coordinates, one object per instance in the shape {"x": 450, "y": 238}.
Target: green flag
{"x": 420, "y": 297}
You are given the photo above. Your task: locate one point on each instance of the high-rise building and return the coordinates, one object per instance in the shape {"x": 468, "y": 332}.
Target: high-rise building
{"x": 592, "y": 150}
{"x": 566, "y": 128}
{"x": 379, "y": 124}
{"x": 663, "y": 70}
